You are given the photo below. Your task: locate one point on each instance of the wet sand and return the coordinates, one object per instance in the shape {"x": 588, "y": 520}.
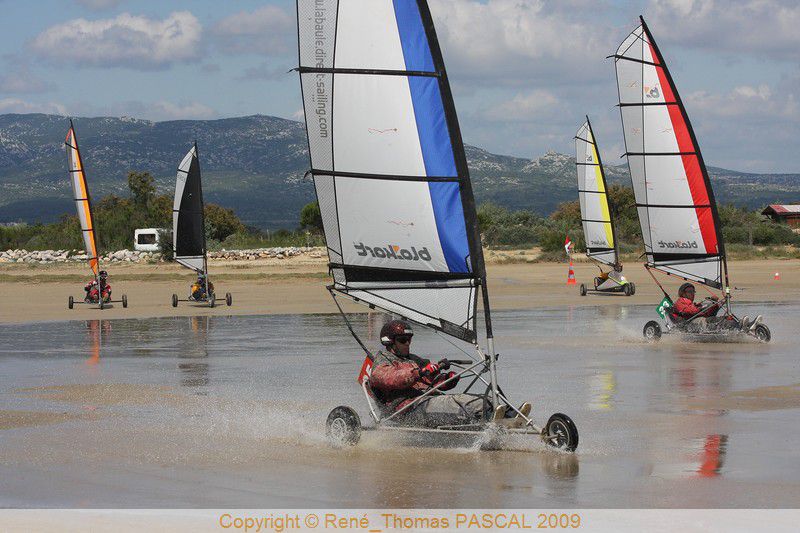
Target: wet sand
{"x": 296, "y": 285}
{"x": 228, "y": 411}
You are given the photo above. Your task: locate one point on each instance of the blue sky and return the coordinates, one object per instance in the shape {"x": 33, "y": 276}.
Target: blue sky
{"x": 524, "y": 72}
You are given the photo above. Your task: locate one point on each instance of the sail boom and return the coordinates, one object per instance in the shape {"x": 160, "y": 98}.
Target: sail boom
{"x": 367, "y": 72}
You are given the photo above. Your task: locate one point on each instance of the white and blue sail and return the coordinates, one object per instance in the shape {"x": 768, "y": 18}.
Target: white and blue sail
{"x": 388, "y": 162}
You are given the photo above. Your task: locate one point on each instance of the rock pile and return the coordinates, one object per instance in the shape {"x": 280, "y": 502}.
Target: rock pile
{"x": 132, "y": 256}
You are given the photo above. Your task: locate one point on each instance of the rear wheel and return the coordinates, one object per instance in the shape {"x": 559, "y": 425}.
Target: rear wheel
{"x": 125, "y": 301}
{"x": 652, "y": 331}
{"x": 633, "y": 288}
{"x": 627, "y": 289}
{"x": 762, "y": 333}
{"x": 212, "y": 300}
{"x": 71, "y": 302}
{"x": 343, "y": 427}
{"x": 583, "y": 289}
{"x": 228, "y": 299}
{"x": 102, "y": 304}
{"x": 560, "y": 432}
{"x": 174, "y": 300}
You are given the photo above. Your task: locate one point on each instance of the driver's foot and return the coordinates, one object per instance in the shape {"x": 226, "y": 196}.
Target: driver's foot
{"x": 499, "y": 413}
{"x": 756, "y": 322}
{"x": 746, "y": 323}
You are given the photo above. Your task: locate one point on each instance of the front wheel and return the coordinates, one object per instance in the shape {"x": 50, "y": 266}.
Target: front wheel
{"x": 633, "y": 288}
{"x": 583, "y": 289}
{"x": 560, "y": 432}
{"x": 102, "y": 304}
{"x": 125, "y": 301}
{"x": 343, "y": 427}
{"x": 627, "y": 289}
{"x": 228, "y": 299}
{"x": 174, "y": 300}
{"x": 212, "y": 300}
{"x": 652, "y": 331}
{"x": 762, "y": 333}
{"x": 71, "y": 302}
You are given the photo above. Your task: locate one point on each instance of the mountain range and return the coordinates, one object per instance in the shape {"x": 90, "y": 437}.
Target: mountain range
{"x": 255, "y": 165}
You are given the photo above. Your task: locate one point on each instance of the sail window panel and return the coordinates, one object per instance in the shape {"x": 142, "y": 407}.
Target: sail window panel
{"x": 677, "y": 231}
{"x": 607, "y": 257}
{"x": 629, "y": 74}
{"x": 318, "y": 105}
{"x": 644, "y": 220}
{"x": 375, "y": 129}
{"x": 195, "y": 263}
{"x": 317, "y": 28}
{"x": 326, "y": 195}
{"x": 367, "y": 36}
{"x": 631, "y": 46}
{"x": 426, "y": 306}
{"x": 636, "y": 165}
{"x": 633, "y": 129}
{"x": 659, "y": 131}
{"x": 389, "y": 224}
{"x": 666, "y": 181}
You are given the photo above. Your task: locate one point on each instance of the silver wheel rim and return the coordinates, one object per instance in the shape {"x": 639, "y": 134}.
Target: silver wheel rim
{"x": 650, "y": 332}
{"x": 338, "y": 429}
{"x": 559, "y": 430}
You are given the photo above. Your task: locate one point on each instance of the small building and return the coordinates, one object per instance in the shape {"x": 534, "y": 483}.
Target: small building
{"x": 785, "y": 214}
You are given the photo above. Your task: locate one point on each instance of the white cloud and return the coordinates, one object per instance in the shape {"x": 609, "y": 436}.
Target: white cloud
{"x": 15, "y": 105}
{"x": 268, "y": 30}
{"x": 514, "y": 41}
{"x": 762, "y": 28}
{"x": 126, "y": 41}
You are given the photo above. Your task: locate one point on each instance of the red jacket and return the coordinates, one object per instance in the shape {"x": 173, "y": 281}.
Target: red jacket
{"x": 396, "y": 381}
{"x": 686, "y": 308}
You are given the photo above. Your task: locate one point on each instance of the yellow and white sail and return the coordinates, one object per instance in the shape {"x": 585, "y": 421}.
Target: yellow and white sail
{"x": 80, "y": 193}
{"x": 598, "y": 227}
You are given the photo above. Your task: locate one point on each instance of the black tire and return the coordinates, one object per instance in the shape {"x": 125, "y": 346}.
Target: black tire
{"x": 560, "y": 432}
{"x": 212, "y": 300}
{"x": 174, "y": 300}
{"x": 633, "y": 287}
{"x": 343, "y": 427}
{"x": 762, "y": 333}
{"x": 583, "y": 289}
{"x": 125, "y": 301}
{"x": 651, "y": 331}
{"x": 71, "y": 302}
{"x": 228, "y": 299}
{"x": 627, "y": 289}
{"x": 102, "y": 303}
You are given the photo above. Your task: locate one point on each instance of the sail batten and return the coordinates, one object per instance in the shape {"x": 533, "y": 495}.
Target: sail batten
{"x": 598, "y": 226}
{"x": 388, "y": 163}
{"x": 82, "y": 199}
{"x": 673, "y": 192}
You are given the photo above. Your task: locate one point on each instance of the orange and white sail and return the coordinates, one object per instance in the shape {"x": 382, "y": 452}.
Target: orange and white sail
{"x": 80, "y": 193}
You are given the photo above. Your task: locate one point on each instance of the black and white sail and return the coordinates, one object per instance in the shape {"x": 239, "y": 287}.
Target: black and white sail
{"x": 188, "y": 223}
{"x": 388, "y": 162}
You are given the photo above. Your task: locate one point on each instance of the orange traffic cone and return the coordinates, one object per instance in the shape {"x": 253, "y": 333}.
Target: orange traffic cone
{"x": 777, "y": 276}
{"x": 571, "y": 275}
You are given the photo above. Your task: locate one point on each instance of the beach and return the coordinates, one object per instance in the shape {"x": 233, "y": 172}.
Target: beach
{"x": 32, "y": 293}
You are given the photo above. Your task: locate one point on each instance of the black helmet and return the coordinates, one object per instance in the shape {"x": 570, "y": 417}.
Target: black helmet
{"x": 103, "y": 274}
{"x": 682, "y": 288}
{"x": 395, "y": 328}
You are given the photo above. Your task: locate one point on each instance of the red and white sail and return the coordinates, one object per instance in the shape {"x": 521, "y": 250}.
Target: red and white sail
{"x": 676, "y": 205}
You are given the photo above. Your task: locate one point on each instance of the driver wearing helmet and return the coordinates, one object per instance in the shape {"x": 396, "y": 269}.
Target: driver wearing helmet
{"x": 398, "y": 377}
{"x": 198, "y": 291}
{"x": 685, "y": 308}
{"x": 93, "y": 291}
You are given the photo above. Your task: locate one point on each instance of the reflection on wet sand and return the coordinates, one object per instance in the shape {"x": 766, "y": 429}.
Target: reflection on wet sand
{"x": 96, "y": 330}
{"x": 196, "y": 373}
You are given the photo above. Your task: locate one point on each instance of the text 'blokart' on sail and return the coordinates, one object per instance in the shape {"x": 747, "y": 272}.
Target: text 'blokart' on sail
{"x": 674, "y": 199}
{"x": 98, "y": 290}
{"x": 397, "y": 205}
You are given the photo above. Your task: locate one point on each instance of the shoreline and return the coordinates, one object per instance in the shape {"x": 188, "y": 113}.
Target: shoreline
{"x": 297, "y": 286}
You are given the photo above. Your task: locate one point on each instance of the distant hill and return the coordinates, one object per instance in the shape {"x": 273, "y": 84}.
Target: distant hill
{"x": 256, "y": 164}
